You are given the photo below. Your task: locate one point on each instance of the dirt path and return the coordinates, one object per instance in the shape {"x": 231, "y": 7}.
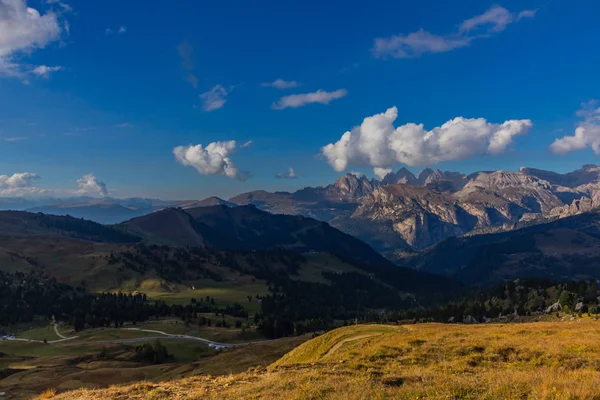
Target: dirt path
{"x": 352, "y": 339}
{"x": 165, "y": 335}
{"x": 60, "y": 335}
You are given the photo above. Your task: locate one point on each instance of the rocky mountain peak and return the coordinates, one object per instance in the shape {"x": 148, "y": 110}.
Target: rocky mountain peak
{"x": 424, "y": 175}
{"x": 587, "y": 174}
{"x": 402, "y": 176}
{"x": 505, "y": 179}
{"x": 350, "y": 186}
{"x": 590, "y": 167}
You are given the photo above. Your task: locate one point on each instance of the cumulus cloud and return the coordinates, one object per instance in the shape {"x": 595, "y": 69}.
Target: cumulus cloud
{"x": 290, "y": 174}
{"x": 300, "y": 100}
{"x": 415, "y": 44}
{"x": 377, "y": 143}
{"x": 24, "y": 185}
{"x": 18, "y": 180}
{"x": 214, "y": 159}
{"x": 587, "y": 133}
{"x": 214, "y": 99}
{"x": 19, "y": 184}
{"x": 22, "y": 30}
{"x": 281, "y": 84}
{"x": 90, "y": 185}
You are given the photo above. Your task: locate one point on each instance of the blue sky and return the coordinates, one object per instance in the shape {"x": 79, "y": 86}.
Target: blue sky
{"x": 123, "y": 98}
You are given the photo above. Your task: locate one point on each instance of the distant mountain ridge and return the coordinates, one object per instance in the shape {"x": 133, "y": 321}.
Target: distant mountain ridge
{"x": 26, "y": 224}
{"x": 407, "y": 212}
{"x": 401, "y": 212}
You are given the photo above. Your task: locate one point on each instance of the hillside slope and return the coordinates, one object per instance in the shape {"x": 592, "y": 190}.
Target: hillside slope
{"x": 564, "y": 249}
{"x": 248, "y": 228}
{"x": 427, "y": 361}
{"x": 23, "y": 224}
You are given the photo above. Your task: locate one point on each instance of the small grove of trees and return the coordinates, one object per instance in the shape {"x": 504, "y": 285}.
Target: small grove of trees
{"x": 26, "y": 296}
{"x": 568, "y": 299}
{"x": 155, "y": 353}
{"x": 523, "y": 296}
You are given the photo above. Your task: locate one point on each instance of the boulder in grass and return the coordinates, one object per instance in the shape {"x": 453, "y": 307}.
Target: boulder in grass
{"x": 554, "y": 307}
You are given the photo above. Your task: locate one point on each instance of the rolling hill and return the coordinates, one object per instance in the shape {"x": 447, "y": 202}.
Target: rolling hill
{"x": 21, "y": 223}
{"x": 424, "y": 361}
{"x": 248, "y": 228}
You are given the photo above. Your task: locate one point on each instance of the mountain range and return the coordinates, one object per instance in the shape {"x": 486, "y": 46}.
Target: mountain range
{"x": 396, "y": 215}
{"x": 175, "y": 244}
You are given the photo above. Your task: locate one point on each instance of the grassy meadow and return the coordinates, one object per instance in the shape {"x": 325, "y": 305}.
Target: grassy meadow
{"x": 539, "y": 360}
{"x": 91, "y": 361}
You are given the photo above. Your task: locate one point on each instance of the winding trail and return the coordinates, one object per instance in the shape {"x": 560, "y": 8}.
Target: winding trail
{"x": 60, "y": 335}
{"x": 351, "y": 339}
{"x": 164, "y": 335}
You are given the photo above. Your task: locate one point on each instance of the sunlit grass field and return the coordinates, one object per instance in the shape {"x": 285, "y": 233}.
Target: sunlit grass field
{"x": 541, "y": 360}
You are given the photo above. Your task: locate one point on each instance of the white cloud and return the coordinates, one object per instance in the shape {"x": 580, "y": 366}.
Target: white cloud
{"x": 23, "y": 185}
{"x": 90, "y": 185}
{"x": 281, "y": 84}
{"x": 377, "y": 143}
{"x": 381, "y": 172}
{"x": 18, "y": 180}
{"x": 300, "y": 100}
{"x": 44, "y": 71}
{"x": 290, "y": 174}
{"x": 19, "y": 184}
{"x": 22, "y": 30}
{"x": 493, "y": 20}
{"x": 125, "y": 125}
{"x": 214, "y": 99}
{"x": 587, "y": 133}
{"x": 415, "y": 44}
{"x": 213, "y": 159}
{"x": 527, "y": 14}
{"x": 119, "y": 31}
{"x": 247, "y": 144}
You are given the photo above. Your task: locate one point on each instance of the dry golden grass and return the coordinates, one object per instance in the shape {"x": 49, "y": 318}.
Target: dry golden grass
{"x": 545, "y": 360}
{"x": 47, "y": 394}
{"x": 71, "y": 366}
